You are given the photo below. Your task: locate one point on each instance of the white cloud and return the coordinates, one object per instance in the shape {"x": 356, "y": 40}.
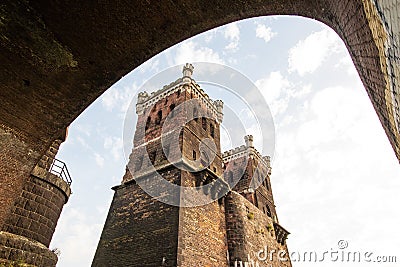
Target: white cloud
{"x": 232, "y": 34}
{"x": 114, "y": 145}
{"x": 118, "y": 97}
{"x": 264, "y": 32}
{"x": 82, "y": 142}
{"x": 150, "y": 65}
{"x": 75, "y": 237}
{"x": 209, "y": 35}
{"x": 274, "y": 89}
{"x": 99, "y": 160}
{"x": 273, "y": 85}
{"x": 190, "y": 51}
{"x": 347, "y": 63}
{"x": 300, "y": 92}
{"x": 308, "y": 54}
{"x": 330, "y": 153}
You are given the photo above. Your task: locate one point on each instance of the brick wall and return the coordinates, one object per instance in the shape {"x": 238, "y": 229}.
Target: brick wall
{"x": 36, "y": 211}
{"x": 249, "y": 230}
{"x": 202, "y": 233}
{"x": 17, "y": 159}
{"x": 139, "y": 230}
{"x": 16, "y": 249}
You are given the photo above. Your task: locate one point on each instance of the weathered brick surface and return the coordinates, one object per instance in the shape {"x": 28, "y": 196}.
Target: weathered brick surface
{"x": 139, "y": 230}
{"x": 19, "y": 249}
{"x": 37, "y": 209}
{"x": 249, "y": 230}
{"x": 202, "y": 233}
{"x": 47, "y": 159}
{"x": 17, "y": 159}
{"x": 32, "y": 211}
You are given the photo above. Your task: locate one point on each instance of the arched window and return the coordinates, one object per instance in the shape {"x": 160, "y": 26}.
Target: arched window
{"x": 147, "y": 123}
{"x": 212, "y": 130}
{"x": 268, "y": 211}
{"x": 152, "y": 157}
{"x": 195, "y": 114}
{"x": 171, "y": 110}
{"x": 204, "y": 123}
{"x": 159, "y": 117}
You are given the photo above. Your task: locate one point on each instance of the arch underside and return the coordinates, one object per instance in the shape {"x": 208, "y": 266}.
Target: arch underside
{"x": 57, "y": 57}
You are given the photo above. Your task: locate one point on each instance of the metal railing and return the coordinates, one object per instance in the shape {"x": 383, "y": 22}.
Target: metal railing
{"x": 59, "y": 168}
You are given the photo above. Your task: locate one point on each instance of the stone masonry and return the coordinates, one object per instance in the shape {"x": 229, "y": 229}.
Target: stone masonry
{"x": 26, "y": 233}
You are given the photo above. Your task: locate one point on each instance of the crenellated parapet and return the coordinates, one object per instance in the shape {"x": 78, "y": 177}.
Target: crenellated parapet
{"x": 146, "y": 100}
{"x": 247, "y": 150}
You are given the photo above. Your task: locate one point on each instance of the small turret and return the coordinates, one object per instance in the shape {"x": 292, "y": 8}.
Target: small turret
{"x": 187, "y": 70}
{"x": 248, "y": 139}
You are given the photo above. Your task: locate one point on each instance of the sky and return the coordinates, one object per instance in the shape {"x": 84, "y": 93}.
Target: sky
{"x": 335, "y": 176}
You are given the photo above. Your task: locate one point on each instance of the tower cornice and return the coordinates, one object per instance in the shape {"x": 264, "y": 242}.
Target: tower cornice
{"x": 146, "y": 100}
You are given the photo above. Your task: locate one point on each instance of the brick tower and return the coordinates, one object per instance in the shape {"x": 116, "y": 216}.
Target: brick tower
{"x": 254, "y": 233}
{"x": 177, "y": 140}
{"x": 26, "y": 234}
{"x": 142, "y": 231}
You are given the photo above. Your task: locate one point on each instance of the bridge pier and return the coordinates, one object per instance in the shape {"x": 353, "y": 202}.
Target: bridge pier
{"x": 33, "y": 192}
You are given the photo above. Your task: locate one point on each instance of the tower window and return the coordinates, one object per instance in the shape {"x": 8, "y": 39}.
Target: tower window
{"x": 178, "y": 93}
{"x": 204, "y": 123}
{"x": 194, "y": 155}
{"x": 152, "y": 157}
{"x": 159, "y": 117}
{"x": 171, "y": 110}
{"x": 268, "y": 211}
{"x": 212, "y": 130}
{"x": 147, "y": 123}
{"x": 195, "y": 114}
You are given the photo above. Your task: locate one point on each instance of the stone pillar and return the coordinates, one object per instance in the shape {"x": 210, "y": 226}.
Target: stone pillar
{"x": 31, "y": 202}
